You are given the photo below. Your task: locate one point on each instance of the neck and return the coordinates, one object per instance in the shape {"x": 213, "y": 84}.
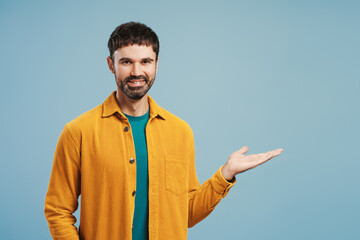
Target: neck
{"x": 130, "y": 106}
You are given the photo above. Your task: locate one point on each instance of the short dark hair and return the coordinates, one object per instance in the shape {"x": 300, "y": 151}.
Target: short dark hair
{"x": 133, "y": 33}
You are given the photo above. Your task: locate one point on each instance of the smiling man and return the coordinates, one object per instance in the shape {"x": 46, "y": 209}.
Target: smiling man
{"x": 133, "y": 162}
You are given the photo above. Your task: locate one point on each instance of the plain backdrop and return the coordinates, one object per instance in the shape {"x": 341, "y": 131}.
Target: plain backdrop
{"x": 265, "y": 74}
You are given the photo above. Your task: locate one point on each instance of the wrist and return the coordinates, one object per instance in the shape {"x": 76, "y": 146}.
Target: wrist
{"x": 226, "y": 173}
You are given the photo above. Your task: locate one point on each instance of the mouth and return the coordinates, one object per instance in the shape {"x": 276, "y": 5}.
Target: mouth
{"x": 136, "y": 82}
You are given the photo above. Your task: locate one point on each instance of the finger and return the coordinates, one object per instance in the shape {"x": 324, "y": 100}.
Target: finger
{"x": 277, "y": 152}
{"x": 267, "y": 155}
{"x": 272, "y": 153}
{"x": 264, "y": 157}
{"x": 243, "y": 150}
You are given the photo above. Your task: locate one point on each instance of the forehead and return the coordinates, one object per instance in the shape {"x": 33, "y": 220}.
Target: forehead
{"x": 135, "y": 52}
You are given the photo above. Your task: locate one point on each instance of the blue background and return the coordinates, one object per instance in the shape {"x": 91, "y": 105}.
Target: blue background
{"x": 265, "y": 74}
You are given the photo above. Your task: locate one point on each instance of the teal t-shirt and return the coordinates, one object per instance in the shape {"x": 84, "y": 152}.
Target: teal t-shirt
{"x": 140, "y": 230}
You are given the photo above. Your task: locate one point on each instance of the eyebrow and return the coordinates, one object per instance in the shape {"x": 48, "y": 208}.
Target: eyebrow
{"x": 148, "y": 59}
{"x": 129, "y": 59}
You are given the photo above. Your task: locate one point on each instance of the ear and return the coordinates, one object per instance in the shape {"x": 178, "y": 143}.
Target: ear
{"x": 157, "y": 62}
{"x": 110, "y": 64}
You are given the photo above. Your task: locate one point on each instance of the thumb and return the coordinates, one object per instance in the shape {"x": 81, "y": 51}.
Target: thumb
{"x": 243, "y": 150}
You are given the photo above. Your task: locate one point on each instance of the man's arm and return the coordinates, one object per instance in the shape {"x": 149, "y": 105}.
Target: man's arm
{"x": 64, "y": 188}
{"x": 203, "y": 199}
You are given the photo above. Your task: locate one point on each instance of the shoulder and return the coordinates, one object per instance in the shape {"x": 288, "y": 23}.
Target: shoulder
{"x": 175, "y": 122}
{"x": 170, "y": 119}
{"x": 85, "y": 121}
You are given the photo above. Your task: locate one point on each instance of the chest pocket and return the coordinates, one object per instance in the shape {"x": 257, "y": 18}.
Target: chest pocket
{"x": 176, "y": 179}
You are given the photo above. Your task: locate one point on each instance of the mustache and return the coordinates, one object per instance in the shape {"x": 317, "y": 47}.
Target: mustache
{"x": 140, "y": 77}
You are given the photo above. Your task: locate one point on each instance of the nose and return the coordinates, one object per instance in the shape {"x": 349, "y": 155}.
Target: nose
{"x": 135, "y": 71}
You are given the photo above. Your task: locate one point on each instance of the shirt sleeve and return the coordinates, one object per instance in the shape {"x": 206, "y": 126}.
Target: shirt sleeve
{"x": 203, "y": 199}
{"x": 64, "y": 188}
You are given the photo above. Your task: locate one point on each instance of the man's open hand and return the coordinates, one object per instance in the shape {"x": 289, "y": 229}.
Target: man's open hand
{"x": 238, "y": 162}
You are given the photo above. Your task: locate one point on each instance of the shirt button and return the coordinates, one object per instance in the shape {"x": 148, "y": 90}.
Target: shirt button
{"x": 126, "y": 128}
{"x": 132, "y": 160}
{"x": 133, "y": 193}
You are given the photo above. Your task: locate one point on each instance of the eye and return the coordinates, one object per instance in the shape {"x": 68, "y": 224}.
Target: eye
{"x": 125, "y": 62}
{"x": 146, "y": 61}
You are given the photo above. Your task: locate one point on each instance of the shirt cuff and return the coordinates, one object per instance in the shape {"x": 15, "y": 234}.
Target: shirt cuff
{"x": 220, "y": 184}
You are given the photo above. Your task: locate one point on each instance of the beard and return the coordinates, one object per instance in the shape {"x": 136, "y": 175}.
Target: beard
{"x": 134, "y": 93}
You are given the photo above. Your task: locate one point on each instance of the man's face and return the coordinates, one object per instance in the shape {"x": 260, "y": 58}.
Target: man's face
{"x": 135, "y": 68}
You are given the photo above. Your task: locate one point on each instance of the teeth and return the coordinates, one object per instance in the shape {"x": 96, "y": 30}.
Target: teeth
{"x": 136, "y": 82}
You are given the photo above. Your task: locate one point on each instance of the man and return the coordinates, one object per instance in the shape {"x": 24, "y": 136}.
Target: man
{"x": 131, "y": 160}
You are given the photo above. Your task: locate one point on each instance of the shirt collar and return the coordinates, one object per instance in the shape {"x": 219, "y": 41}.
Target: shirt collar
{"x": 111, "y": 107}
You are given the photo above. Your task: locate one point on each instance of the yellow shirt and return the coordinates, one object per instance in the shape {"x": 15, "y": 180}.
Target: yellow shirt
{"x": 95, "y": 157}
